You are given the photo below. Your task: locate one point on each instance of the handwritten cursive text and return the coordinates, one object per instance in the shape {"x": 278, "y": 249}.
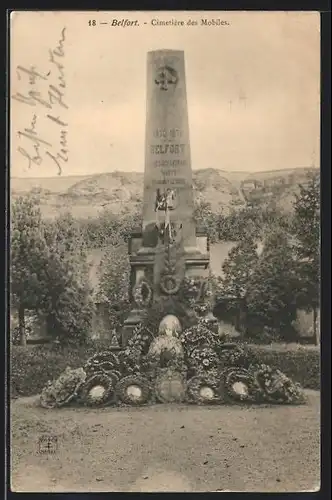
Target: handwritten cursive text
{"x": 46, "y": 92}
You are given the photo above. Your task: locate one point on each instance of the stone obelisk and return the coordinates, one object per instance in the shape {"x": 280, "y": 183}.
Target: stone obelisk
{"x": 167, "y": 146}
{"x": 168, "y": 247}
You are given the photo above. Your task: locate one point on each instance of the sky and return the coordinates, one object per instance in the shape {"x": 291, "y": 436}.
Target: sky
{"x": 253, "y": 90}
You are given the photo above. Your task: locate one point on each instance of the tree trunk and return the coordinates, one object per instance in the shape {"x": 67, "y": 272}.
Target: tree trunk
{"x": 315, "y": 326}
{"x": 242, "y": 321}
{"x": 21, "y": 325}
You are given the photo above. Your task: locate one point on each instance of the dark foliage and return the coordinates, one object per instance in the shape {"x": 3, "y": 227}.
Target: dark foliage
{"x": 32, "y": 367}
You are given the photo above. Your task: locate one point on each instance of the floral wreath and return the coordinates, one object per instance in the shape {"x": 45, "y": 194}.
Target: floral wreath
{"x": 203, "y": 357}
{"x": 191, "y": 288}
{"x": 64, "y": 389}
{"x": 198, "y": 335}
{"x": 142, "y": 293}
{"x": 100, "y": 379}
{"x": 169, "y": 284}
{"x": 47, "y": 397}
{"x": 275, "y": 386}
{"x": 196, "y": 386}
{"x": 137, "y": 382}
{"x": 102, "y": 361}
{"x": 241, "y": 377}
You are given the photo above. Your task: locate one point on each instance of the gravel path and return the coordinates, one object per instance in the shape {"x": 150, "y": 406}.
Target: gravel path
{"x": 167, "y": 448}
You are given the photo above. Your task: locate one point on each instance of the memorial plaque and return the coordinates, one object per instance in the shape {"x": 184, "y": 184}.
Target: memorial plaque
{"x": 170, "y": 386}
{"x": 168, "y": 174}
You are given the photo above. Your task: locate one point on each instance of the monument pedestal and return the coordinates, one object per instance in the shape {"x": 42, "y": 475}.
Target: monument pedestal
{"x": 144, "y": 268}
{"x": 134, "y": 318}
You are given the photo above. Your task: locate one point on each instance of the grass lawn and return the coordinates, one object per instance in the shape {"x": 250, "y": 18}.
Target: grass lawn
{"x": 167, "y": 448}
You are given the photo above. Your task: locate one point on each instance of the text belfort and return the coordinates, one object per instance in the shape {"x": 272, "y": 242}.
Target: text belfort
{"x": 127, "y": 23}
{"x": 162, "y": 149}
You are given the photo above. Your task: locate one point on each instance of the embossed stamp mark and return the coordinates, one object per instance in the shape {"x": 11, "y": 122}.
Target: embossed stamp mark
{"x": 47, "y": 445}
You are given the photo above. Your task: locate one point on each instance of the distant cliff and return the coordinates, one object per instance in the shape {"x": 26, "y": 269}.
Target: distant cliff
{"x": 121, "y": 192}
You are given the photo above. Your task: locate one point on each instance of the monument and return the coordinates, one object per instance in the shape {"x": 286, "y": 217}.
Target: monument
{"x": 168, "y": 248}
{"x": 163, "y": 357}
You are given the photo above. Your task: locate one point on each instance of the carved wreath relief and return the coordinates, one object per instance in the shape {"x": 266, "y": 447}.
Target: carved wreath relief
{"x": 166, "y": 76}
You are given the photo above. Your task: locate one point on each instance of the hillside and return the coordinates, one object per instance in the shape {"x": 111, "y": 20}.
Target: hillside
{"x": 121, "y": 192}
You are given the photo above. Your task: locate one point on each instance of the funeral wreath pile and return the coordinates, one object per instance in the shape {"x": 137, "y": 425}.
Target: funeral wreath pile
{"x": 193, "y": 366}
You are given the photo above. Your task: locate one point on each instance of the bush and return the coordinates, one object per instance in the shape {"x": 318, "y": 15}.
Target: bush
{"x": 32, "y": 366}
{"x": 300, "y": 363}
{"x": 256, "y": 334}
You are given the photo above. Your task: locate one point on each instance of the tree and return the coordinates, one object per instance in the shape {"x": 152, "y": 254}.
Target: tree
{"x": 206, "y": 219}
{"x": 28, "y": 259}
{"x": 129, "y": 223}
{"x": 306, "y": 226}
{"x": 114, "y": 283}
{"x": 67, "y": 234}
{"x": 49, "y": 273}
{"x": 240, "y": 223}
{"x": 237, "y": 271}
{"x": 272, "y": 289}
{"x": 109, "y": 228}
{"x": 69, "y": 306}
{"x": 238, "y": 268}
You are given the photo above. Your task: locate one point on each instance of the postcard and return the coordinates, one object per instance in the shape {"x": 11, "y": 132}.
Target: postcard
{"x": 164, "y": 251}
